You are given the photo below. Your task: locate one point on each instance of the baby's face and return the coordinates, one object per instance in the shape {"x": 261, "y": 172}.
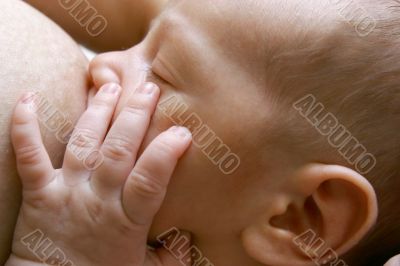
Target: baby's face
{"x": 205, "y": 56}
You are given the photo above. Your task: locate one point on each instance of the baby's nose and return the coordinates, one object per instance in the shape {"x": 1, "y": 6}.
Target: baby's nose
{"x": 105, "y": 68}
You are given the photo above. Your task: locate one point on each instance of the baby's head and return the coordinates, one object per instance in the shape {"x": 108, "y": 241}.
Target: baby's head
{"x": 272, "y": 90}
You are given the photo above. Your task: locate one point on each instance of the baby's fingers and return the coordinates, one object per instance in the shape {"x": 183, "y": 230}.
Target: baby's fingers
{"x": 33, "y": 162}
{"x": 145, "y": 188}
{"x": 89, "y": 133}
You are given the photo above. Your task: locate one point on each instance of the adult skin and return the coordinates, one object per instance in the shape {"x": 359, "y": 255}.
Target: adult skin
{"x": 35, "y": 55}
{"x": 127, "y": 21}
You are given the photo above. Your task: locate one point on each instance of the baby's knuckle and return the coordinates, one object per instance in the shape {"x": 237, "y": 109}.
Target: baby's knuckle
{"x": 29, "y": 155}
{"x": 38, "y": 201}
{"x": 84, "y": 138}
{"x": 124, "y": 228}
{"x": 146, "y": 185}
{"x": 103, "y": 103}
{"x": 117, "y": 148}
{"x": 135, "y": 110}
{"x": 95, "y": 212}
{"x": 138, "y": 105}
{"x": 163, "y": 147}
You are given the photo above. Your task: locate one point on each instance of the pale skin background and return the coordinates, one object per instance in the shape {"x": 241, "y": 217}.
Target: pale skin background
{"x": 35, "y": 55}
{"x": 82, "y": 62}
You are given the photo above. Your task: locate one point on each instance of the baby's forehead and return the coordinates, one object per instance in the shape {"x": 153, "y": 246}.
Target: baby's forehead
{"x": 251, "y": 29}
{"x": 212, "y": 25}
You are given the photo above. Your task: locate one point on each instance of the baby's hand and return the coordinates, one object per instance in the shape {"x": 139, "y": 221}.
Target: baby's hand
{"x": 75, "y": 216}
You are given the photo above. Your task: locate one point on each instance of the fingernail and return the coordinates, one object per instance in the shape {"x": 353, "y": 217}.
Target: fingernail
{"x": 111, "y": 88}
{"x": 28, "y": 98}
{"x": 147, "y": 88}
{"x": 182, "y": 132}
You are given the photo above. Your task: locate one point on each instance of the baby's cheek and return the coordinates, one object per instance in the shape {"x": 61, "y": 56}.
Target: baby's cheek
{"x": 212, "y": 138}
{"x": 158, "y": 124}
{"x": 174, "y": 110}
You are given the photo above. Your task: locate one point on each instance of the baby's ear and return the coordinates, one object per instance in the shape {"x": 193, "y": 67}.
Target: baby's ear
{"x": 324, "y": 211}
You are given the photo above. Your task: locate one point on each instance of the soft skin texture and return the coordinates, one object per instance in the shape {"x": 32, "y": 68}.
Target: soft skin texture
{"x": 35, "y": 55}
{"x": 203, "y": 53}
